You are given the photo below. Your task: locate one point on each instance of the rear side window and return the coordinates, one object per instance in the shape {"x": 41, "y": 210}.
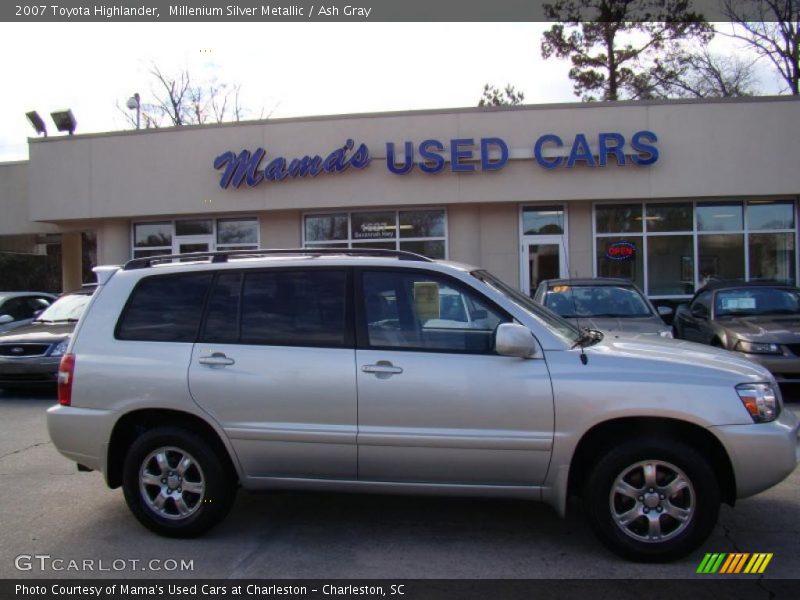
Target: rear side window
{"x": 165, "y": 308}
{"x": 279, "y": 308}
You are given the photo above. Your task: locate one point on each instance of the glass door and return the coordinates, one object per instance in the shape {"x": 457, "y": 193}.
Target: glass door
{"x": 193, "y": 243}
{"x": 543, "y": 257}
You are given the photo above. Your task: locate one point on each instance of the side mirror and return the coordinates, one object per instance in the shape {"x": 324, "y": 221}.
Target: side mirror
{"x": 512, "y": 339}
{"x": 6, "y": 319}
{"x": 665, "y": 311}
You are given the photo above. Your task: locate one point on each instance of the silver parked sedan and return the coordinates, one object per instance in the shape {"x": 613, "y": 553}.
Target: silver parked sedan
{"x": 604, "y": 304}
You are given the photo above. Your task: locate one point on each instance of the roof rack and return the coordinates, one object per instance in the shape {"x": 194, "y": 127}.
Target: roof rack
{"x": 223, "y": 255}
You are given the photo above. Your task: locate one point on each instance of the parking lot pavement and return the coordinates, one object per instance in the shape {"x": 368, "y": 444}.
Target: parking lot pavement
{"x": 48, "y": 508}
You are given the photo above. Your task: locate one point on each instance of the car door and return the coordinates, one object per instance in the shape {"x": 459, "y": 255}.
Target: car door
{"x": 436, "y": 403}
{"x": 694, "y": 321}
{"x": 274, "y": 365}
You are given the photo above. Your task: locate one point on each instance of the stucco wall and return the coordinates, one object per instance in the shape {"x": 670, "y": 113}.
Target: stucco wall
{"x": 14, "y": 202}
{"x": 715, "y": 149}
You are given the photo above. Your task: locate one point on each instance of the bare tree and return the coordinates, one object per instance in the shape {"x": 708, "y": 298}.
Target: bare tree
{"x": 702, "y": 74}
{"x": 493, "y": 96}
{"x": 772, "y": 29}
{"x": 177, "y": 100}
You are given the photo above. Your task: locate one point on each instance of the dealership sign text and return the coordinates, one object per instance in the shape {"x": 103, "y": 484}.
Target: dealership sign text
{"x": 431, "y": 156}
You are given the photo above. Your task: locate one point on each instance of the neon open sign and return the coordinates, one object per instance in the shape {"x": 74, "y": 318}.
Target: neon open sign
{"x": 620, "y": 251}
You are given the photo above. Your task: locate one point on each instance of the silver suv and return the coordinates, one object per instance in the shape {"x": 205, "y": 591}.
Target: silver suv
{"x": 383, "y": 371}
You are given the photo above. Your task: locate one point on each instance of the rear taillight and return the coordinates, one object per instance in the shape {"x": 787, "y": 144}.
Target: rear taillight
{"x": 65, "y": 372}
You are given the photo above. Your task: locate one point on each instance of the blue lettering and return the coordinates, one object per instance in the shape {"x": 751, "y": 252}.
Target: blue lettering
{"x": 548, "y": 163}
{"x": 240, "y": 168}
{"x": 648, "y": 154}
{"x": 300, "y": 167}
{"x": 409, "y": 159}
{"x": 429, "y": 151}
{"x": 456, "y": 154}
{"x": 580, "y": 151}
{"x": 361, "y": 157}
{"x": 611, "y": 144}
{"x": 493, "y": 165}
{"x": 276, "y": 170}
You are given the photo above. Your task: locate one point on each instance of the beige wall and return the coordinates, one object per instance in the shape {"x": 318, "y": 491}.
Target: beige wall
{"x": 281, "y": 229}
{"x": 579, "y": 235}
{"x": 14, "y": 202}
{"x": 710, "y": 149}
{"x": 486, "y": 235}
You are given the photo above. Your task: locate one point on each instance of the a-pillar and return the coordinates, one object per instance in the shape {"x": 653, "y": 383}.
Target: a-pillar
{"x": 71, "y": 261}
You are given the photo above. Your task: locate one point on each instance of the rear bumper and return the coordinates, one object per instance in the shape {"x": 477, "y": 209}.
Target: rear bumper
{"x": 762, "y": 454}
{"x": 81, "y": 434}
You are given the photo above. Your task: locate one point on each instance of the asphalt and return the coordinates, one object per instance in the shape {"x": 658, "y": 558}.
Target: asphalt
{"x": 48, "y": 508}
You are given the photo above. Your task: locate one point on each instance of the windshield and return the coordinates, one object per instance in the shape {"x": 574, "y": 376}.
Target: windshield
{"x": 617, "y": 301}
{"x": 551, "y": 319}
{"x": 757, "y": 301}
{"x": 66, "y": 308}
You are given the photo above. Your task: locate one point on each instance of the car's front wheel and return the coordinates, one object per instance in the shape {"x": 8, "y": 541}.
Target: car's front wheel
{"x": 175, "y": 484}
{"x": 652, "y": 499}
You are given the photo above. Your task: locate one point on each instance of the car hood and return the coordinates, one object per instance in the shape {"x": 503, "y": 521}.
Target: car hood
{"x": 629, "y": 325}
{"x": 38, "y": 333}
{"x": 781, "y": 329}
{"x": 679, "y": 358}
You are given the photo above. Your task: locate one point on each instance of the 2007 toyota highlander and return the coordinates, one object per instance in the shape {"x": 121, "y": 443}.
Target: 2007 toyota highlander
{"x": 383, "y": 371}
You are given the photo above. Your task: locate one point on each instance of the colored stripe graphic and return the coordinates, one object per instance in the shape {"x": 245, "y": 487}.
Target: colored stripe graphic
{"x": 734, "y": 562}
{"x": 759, "y": 562}
{"x": 711, "y": 563}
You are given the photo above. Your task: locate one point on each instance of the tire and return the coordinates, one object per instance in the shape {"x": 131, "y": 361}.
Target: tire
{"x": 653, "y": 526}
{"x": 191, "y": 501}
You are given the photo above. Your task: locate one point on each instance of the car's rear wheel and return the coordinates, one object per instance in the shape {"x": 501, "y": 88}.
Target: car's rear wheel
{"x": 175, "y": 484}
{"x": 652, "y": 500}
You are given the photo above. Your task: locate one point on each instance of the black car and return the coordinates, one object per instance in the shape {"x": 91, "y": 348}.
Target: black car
{"x": 30, "y": 355}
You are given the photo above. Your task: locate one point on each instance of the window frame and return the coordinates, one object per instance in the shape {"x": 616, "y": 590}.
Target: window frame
{"x": 351, "y": 243}
{"x": 214, "y": 246}
{"x": 360, "y": 313}
{"x": 745, "y": 231}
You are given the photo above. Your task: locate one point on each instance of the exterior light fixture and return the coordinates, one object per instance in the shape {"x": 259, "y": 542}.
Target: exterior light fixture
{"x": 36, "y": 122}
{"x": 64, "y": 120}
{"x": 135, "y": 103}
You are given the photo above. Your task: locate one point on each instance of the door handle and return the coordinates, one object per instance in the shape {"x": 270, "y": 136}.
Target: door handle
{"x": 382, "y": 369}
{"x": 217, "y": 359}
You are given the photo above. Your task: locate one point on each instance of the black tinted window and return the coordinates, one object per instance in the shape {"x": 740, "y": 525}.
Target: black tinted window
{"x": 222, "y": 318}
{"x": 294, "y": 308}
{"x": 165, "y": 308}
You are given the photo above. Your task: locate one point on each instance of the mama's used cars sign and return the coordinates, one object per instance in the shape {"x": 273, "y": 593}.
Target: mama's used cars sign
{"x": 463, "y": 155}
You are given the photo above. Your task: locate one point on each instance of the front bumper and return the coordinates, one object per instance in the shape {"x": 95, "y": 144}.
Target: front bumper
{"x": 784, "y": 367}
{"x": 29, "y": 372}
{"x": 762, "y": 454}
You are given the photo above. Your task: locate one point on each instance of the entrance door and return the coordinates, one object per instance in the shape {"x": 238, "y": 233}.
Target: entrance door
{"x": 543, "y": 257}
{"x": 193, "y": 243}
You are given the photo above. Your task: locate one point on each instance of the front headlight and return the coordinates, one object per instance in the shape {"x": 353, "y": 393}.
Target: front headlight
{"x": 60, "y": 348}
{"x": 667, "y": 333}
{"x": 760, "y": 400}
{"x": 758, "y": 348}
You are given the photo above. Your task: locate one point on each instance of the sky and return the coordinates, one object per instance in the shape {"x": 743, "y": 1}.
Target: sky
{"x": 285, "y": 69}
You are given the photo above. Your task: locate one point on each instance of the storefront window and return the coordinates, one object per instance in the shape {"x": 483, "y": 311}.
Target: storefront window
{"x": 719, "y": 217}
{"x": 770, "y": 215}
{"x": 628, "y": 265}
{"x": 618, "y": 218}
{"x": 720, "y": 256}
{"x": 422, "y": 231}
{"x": 237, "y": 231}
{"x": 685, "y": 250}
{"x": 670, "y": 265}
{"x": 326, "y": 227}
{"x": 669, "y": 217}
{"x": 772, "y": 257}
{"x": 151, "y": 235}
{"x": 542, "y": 220}
{"x": 194, "y": 227}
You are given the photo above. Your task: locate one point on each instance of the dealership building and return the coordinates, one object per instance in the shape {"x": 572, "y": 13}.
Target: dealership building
{"x": 667, "y": 193}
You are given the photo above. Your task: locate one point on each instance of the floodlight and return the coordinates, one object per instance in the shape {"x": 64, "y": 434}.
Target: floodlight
{"x": 64, "y": 120}
{"x": 36, "y": 122}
